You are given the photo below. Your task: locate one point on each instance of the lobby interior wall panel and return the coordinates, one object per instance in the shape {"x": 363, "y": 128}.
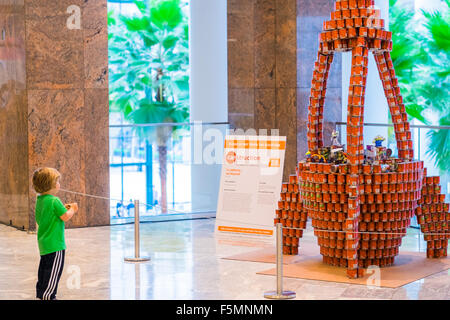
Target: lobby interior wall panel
{"x": 286, "y": 44}
{"x": 265, "y": 30}
{"x": 241, "y": 111}
{"x": 306, "y": 56}
{"x": 68, "y": 102}
{"x": 315, "y": 7}
{"x": 335, "y": 77}
{"x": 265, "y": 109}
{"x": 265, "y": 52}
{"x": 239, "y": 121}
{"x": 47, "y": 8}
{"x": 332, "y": 113}
{"x": 95, "y": 17}
{"x": 286, "y": 79}
{"x": 310, "y": 17}
{"x": 302, "y": 144}
{"x": 302, "y": 121}
{"x": 286, "y": 121}
{"x": 96, "y": 58}
{"x": 94, "y": 14}
{"x": 13, "y": 158}
{"x": 54, "y": 53}
{"x": 13, "y": 122}
{"x": 96, "y": 133}
{"x": 240, "y": 6}
{"x": 56, "y": 139}
{"x": 241, "y": 49}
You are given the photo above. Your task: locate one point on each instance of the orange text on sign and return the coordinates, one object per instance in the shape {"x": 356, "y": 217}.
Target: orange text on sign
{"x": 255, "y": 144}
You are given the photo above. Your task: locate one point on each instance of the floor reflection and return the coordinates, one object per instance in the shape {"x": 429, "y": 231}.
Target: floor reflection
{"x": 185, "y": 264}
{"x": 168, "y": 274}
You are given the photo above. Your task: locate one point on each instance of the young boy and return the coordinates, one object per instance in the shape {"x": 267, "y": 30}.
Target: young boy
{"x": 50, "y": 217}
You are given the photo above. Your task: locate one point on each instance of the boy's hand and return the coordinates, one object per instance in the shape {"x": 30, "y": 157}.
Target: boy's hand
{"x": 74, "y": 206}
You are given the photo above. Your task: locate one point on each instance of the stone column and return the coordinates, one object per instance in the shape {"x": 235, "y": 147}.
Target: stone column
{"x": 66, "y": 105}
{"x": 262, "y": 72}
{"x": 13, "y": 116}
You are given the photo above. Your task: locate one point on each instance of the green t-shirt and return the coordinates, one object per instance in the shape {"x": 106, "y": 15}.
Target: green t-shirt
{"x": 50, "y": 233}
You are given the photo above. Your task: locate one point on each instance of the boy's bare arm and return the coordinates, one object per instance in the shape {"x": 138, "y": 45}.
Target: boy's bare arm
{"x": 73, "y": 208}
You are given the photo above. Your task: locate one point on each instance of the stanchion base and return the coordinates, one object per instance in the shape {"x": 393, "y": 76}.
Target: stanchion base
{"x": 136, "y": 260}
{"x": 283, "y": 296}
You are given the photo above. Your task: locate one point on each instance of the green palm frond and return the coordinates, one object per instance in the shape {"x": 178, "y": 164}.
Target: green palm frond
{"x": 439, "y": 149}
{"x": 422, "y": 63}
{"x": 439, "y": 30}
{"x": 166, "y": 14}
{"x": 111, "y": 18}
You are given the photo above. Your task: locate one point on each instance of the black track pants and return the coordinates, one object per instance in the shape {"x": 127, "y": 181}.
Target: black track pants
{"x": 50, "y": 270}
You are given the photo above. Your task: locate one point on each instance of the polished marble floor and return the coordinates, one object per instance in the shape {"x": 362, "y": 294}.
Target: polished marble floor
{"x": 186, "y": 263}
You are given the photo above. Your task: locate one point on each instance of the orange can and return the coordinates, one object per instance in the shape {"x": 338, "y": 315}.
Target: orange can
{"x": 293, "y": 179}
{"x": 362, "y": 30}
{"x": 367, "y": 169}
{"x": 355, "y": 13}
{"x": 357, "y": 22}
{"x": 363, "y": 12}
{"x": 344, "y": 4}
{"x": 354, "y": 169}
{"x": 349, "y": 24}
{"x": 346, "y": 14}
{"x": 341, "y": 178}
{"x": 377, "y": 177}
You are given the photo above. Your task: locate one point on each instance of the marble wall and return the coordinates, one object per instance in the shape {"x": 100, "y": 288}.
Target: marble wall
{"x": 13, "y": 116}
{"x": 272, "y": 47}
{"x": 65, "y": 108}
{"x": 262, "y": 73}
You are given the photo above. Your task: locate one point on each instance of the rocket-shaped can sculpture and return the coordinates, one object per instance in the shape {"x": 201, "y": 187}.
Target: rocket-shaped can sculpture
{"x": 359, "y": 209}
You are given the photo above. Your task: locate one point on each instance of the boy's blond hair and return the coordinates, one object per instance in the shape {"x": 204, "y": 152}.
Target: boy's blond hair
{"x": 45, "y": 179}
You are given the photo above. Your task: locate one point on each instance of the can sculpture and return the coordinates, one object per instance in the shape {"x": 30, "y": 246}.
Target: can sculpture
{"x": 360, "y": 211}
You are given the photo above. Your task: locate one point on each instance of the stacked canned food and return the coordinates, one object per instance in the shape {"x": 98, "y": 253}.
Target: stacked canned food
{"x": 396, "y": 106}
{"x": 356, "y": 232}
{"x": 352, "y": 20}
{"x": 434, "y": 217}
{"x": 360, "y": 210}
{"x": 387, "y": 202}
{"x": 291, "y": 215}
{"x": 317, "y": 100}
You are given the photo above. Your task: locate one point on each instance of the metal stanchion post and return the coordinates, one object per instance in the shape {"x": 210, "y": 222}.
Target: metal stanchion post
{"x": 137, "y": 257}
{"x": 279, "y": 294}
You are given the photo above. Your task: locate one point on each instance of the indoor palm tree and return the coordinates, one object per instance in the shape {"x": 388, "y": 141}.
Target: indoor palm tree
{"x": 406, "y": 54}
{"x": 435, "y": 83}
{"x": 149, "y": 62}
{"x": 421, "y": 59}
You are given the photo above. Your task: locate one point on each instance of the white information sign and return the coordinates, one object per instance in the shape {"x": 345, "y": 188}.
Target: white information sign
{"x": 250, "y": 186}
